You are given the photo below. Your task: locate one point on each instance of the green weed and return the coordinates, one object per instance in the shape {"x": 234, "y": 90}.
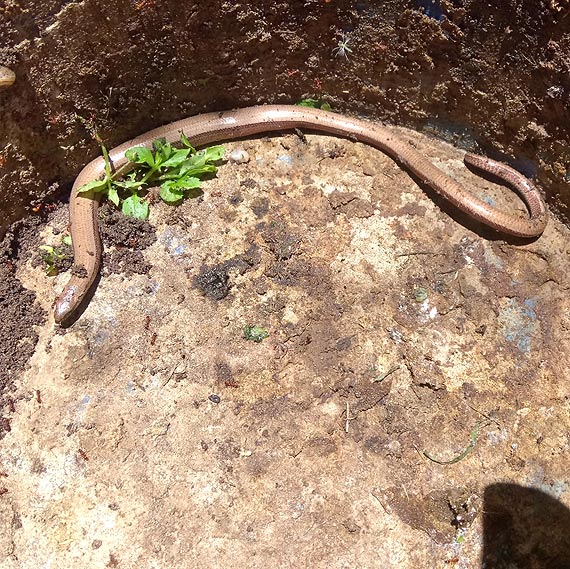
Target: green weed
{"x": 52, "y": 256}
{"x": 255, "y": 333}
{"x": 175, "y": 170}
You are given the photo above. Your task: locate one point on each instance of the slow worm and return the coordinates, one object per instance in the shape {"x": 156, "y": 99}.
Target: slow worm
{"x": 215, "y": 127}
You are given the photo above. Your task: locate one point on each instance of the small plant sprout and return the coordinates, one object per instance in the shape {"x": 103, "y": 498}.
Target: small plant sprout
{"x": 52, "y": 256}
{"x": 255, "y": 333}
{"x": 314, "y": 103}
{"x": 342, "y": 49}
{"x": 176, "y": 170}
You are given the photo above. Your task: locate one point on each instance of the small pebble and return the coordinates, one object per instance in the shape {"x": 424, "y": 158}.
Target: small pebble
{"x": 239, "y": 156}
{"x": 7, "y": 77}
{"x": 214, "y": 398}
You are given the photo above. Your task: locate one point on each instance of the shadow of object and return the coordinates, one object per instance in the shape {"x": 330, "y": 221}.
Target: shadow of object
{"x": 469, "y": 222}
{"x": 524, "y": 528}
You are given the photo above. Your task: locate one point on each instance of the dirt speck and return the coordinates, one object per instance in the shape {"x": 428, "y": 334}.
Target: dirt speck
{"x": 214, "y": 281}
{"x": 350, "y": 204}
{"x": 281, "y": 240}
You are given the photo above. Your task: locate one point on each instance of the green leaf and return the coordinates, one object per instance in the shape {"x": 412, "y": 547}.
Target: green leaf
{"x": 113, "y": 195}
{"x": 66, "y": 240}
{"x": 184, "y": 140}
{"x": 420, "y": 294}
{"x": 189, "y": 182}
{"x": 468, "y": 449}
{"x": 198, "y": 163}
{"x": 308, "y": 103}
{"x": 214, "y": 153}
{"x": 171, "y": 194}
{"x": 185, "y": 183}
{"x": 176, "y": 158}
{"x": 163, "y": 151}
{"x": 48, "y": 249}
{"x": 163, "y": 154}
{"x": 130, "y": 184}
{"x": 107, "y": 164}
{"x": 94, "y": 185}
{"x": 172, "y": 191}
{"x": 197, "y": 171}
{"x": 159, "y": 143}
{"x": 255, "y": 333}
{"x": 50, "y": 256}
{"x": 133, "y": 206}
{"x": 140, "y": 155}
{"x": 314, "y": 103}
{"x": 195, "y": 161}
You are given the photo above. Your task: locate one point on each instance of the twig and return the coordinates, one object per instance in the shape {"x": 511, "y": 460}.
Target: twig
{"x": 171, "y": 373}
{"x": 414, "y": 253}
{"x": 380, "y": 502}
{"x": 384, "y": 376}
{"x": 488, "y": 417}
{"x": 348, "y": 418}
{"x": 470, "y": 447}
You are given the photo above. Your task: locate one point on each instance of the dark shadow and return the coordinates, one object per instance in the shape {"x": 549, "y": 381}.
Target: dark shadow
{"x": 465, "y": 219}
{"x": 431, "y": 8}
{"x": 524, "y": 528}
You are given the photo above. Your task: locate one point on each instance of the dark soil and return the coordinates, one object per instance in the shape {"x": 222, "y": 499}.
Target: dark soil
{"x": 215, "y": 281}
{"x": 129, "y": 237}
{"x": 121, "y": 231}
{"x": 19, "y": 310}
